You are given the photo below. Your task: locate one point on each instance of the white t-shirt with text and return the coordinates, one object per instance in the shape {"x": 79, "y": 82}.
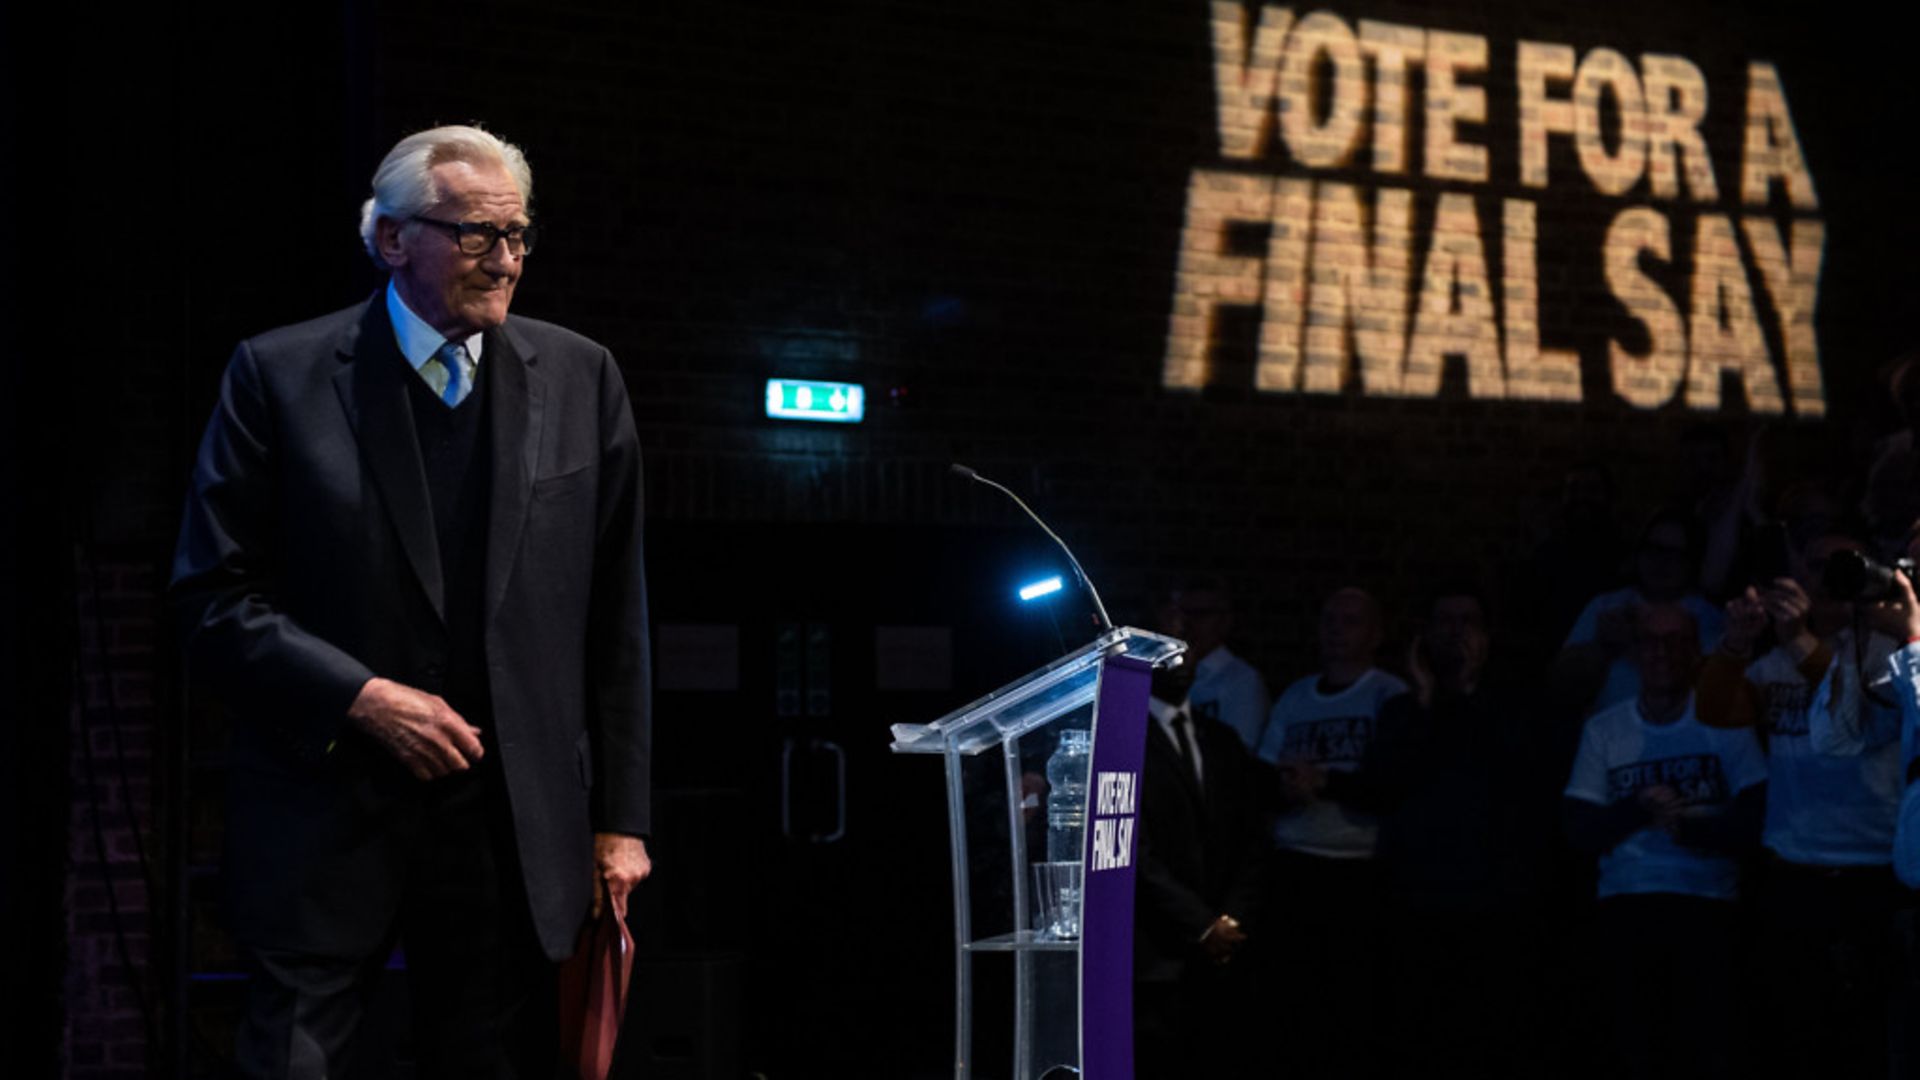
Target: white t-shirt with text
{"x": 1332, "y": 731}
{"x": 1833, "y": 782}
{"x": 1621, "y": 753}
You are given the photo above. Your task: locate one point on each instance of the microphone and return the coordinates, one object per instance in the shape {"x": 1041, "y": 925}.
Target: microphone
{"x": 1099, "y": 608}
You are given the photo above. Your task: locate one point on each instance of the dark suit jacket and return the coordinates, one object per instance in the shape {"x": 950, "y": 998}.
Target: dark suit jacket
{"x": 307, "y": 564}
{"x": 1202, "y": 852}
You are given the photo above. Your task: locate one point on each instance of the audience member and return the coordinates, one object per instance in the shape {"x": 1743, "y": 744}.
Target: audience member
{"x": 1594, "y": 665}
{"x": 1326, "y": 722}
{"x": 1898, "y": 618}
{"x": 1202, "y": 854}
{"x": 1225, "y": 687}
{"x": 1464, "y": 774}
{"x": 1666, "y": 803}
{"x": 1326, "y": 888}
{"x": 1827, "y": 896}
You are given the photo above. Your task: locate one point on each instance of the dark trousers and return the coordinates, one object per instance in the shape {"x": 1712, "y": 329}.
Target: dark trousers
{"x": 1464, "y": 994}
{"x": 1320, "y": 971}
{"x": 1829, "y": 961}
{"x": 1904, "y": 1043}
{"x": 1197, "y": 1027}
{"x": 481, "y": 989}
{"x": 1670, "y": 963}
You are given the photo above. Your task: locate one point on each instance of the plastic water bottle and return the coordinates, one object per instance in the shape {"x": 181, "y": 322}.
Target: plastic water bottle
{"x": 1067, "y": 796}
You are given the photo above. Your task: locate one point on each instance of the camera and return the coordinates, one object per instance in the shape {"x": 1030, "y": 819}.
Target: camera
{"x": 1851, "y": 576}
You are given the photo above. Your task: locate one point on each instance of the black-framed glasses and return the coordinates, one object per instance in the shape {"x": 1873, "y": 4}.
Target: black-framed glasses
{"x": 478, "y": 237}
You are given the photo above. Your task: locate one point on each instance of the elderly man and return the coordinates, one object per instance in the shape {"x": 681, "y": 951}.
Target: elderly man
{"x": 1667, "y": 804}
{"x": 1326, "y": 722}
{"x": 1324, "y": 874}
{"x": 410, "y": 562}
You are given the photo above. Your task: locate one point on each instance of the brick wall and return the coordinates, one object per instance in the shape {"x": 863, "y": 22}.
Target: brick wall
{"x": 112, "y": 823}
{"x": 980, "y": 212}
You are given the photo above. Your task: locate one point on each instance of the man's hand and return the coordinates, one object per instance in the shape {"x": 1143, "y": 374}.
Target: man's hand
{"x": 418, "y": 728}
{"x": 1746, "y": 619}
{"x": 620, "y": 862}
{"x": 1787, "y": 605}
{"x": 1420, "y": 672}
{"x": 1898, "y": 616}
{"x": 1223, "y": 939}
{"x": 1663, "y": 804}
{"x": 1301, "y": 781}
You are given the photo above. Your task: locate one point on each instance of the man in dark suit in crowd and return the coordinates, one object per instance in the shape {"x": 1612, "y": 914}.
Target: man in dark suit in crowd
{"x": 1465, "y": 773}
{"x": 1202, "y": 853}
{"x": 411, "y": 564}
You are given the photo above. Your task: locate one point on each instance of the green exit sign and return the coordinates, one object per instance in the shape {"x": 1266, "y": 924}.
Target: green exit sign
{"x": 800, "y": 399}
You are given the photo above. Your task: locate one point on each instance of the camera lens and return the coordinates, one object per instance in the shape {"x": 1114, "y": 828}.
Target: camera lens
{"x": 1852, "y": 576}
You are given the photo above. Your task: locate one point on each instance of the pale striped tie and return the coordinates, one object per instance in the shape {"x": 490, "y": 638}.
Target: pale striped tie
{"x": 452, "y": 358}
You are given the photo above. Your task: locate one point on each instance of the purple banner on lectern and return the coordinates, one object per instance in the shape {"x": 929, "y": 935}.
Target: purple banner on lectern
{"x": 1106, "y": 928}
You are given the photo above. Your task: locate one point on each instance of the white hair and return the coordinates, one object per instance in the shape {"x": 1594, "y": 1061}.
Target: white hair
{"x": 403, "y": 184}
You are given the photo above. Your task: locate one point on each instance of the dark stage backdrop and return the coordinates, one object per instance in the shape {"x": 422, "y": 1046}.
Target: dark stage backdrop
{"x": 1297, "y": 296}
{"x": 1202, "y": 333}
{"x": 1011, "y": 224}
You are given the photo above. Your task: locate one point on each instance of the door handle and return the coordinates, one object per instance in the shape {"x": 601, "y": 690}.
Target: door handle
{"x": 839, "y": 792}
{"x": 839, "y": 830}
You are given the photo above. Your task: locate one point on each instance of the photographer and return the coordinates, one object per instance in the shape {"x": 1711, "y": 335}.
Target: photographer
{"x": 1882, "y": 700}
{"x": 1827, "y": 896}
{"x": 1898, "y": 617}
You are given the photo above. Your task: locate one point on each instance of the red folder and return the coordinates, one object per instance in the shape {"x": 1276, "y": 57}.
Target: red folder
{"x": 593, "y": 992}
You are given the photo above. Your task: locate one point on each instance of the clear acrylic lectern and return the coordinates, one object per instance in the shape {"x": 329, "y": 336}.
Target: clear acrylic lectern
{"x": 1072, "y": 976}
